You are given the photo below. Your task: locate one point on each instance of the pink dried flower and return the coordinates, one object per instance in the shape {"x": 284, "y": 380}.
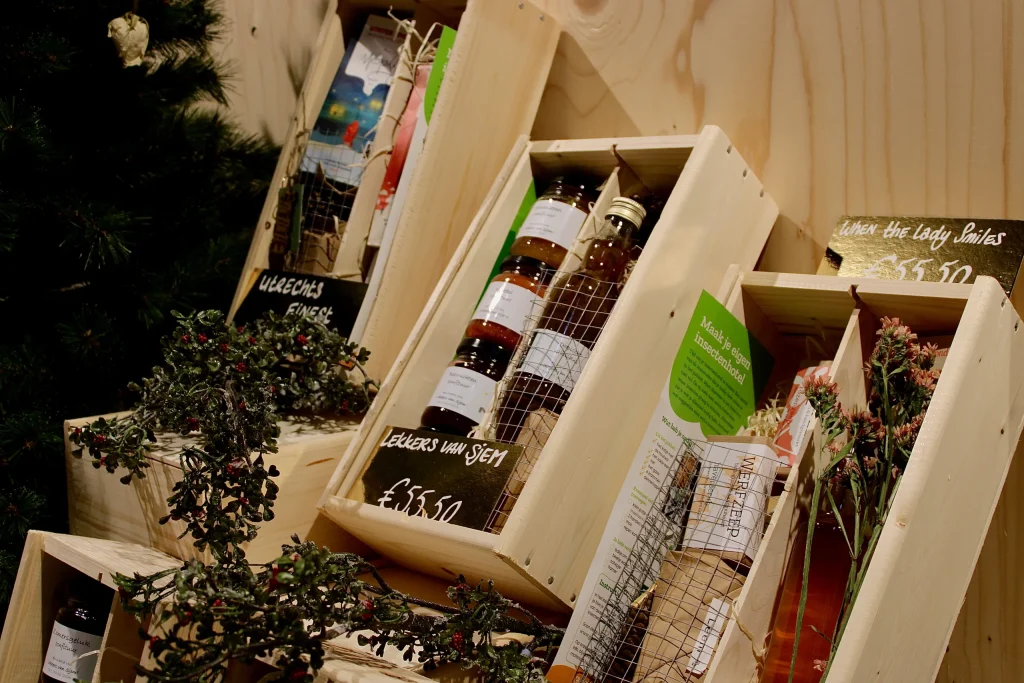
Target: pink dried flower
{"x": 927, "y": 355}
{"x": 924, "y": 378}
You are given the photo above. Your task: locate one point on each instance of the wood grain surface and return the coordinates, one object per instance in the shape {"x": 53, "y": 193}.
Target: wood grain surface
{"x": 269, "y": 46}
{"x": 840, "y": 106}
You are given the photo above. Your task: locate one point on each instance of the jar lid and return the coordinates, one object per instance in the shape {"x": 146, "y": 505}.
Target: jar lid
{"x": 630, "y": 209}
{"x": 484, "y": 347}
{"x": 528, "y": 261}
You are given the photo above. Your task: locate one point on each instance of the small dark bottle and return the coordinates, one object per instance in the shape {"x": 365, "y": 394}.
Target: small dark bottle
{"x": 572, "y": 320}
{"x": 466, "y": 390}
{"x": 511, "y": 297}
{"x": 554, "y": 220}
{"x": 77, "y": 630}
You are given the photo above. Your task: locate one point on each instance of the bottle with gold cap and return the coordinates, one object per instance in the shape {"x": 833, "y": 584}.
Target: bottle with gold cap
{"x": 572, "y": 320}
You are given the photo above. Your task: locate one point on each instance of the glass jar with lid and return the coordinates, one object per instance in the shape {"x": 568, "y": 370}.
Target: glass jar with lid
{"x": 573, "y": 318}
{"x": 513, "y": 294}
{"x": 466, "y": 390}
{"x": 554, "y": 221}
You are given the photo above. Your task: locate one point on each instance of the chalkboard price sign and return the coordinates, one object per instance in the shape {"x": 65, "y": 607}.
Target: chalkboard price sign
{"x": 445, "y": 478}
{"x": 954, "y": 250}
{"x": 333, "y": 302}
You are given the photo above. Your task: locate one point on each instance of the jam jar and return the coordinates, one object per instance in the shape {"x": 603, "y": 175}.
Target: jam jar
{"x": 513, "y": 294}
{"x": 554, "y": 220}
{"x": 466, "y": 390}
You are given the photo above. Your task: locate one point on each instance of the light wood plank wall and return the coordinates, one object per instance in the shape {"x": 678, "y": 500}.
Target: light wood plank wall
{"x": 840, "y": 106}
{"x": 270, "y": 46}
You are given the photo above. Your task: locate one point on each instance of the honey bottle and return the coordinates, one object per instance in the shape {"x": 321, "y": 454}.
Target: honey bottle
{"x": 572, "y": 320}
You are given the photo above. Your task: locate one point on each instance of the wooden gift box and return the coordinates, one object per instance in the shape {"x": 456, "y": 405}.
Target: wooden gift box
{"x": 48, "y": 561}
{"x": 925, "y": 557}
{"x": 100, "y": 506}
{"x": 493, "y": 82}
{"x": 718, "y": 214}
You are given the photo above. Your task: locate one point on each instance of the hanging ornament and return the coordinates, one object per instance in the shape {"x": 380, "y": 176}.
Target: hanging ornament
{"x": 130, "y": 34}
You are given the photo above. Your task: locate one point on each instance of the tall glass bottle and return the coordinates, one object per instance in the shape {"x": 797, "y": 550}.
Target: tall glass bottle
{"x": 77, "y": 631}
{"x": 830, "y": 569}
{"x": 571, "y": 322}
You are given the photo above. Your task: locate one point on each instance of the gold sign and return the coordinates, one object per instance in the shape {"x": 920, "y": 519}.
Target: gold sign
{"x": 927, "y": 249}
{"x": 445, "y": 478}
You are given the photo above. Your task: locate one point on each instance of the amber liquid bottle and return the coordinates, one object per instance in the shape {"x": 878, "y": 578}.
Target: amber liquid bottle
{"x": 572, "y": 320}
{"x": 830, "y": 568}
{"x": 77, "y": 630}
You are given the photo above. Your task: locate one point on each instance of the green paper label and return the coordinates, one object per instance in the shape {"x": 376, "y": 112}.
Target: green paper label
{"x": 444, "y": 48}
{"x": 719, "y": 372}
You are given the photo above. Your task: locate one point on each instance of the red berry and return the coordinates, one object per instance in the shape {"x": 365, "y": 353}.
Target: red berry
{"x": 252, "y": 340}
{"x": 241, "y": 405}
{"x": 103, "y": 460}
{"x": 153, "y": 640}
{"x": 297, "y": 676}
{"x": 99, "y": 439}
{"x": 241, "y": 367}
{"x": 458, "y": 640}
{"x": 218, "y": 603}
{"x": 186, "y": 338}
{"x": 202, "y": 338}
{"x": 78, "y": 431}
{"x": 193, "y": 423}
{"x": 302, "y": 339}
{"x": 240, "y": 328}
{"x": 224, "y": 348}
{"x": 243, "y": 500}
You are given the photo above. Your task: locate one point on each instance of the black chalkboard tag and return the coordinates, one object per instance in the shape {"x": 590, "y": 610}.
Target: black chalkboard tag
{"x": 333, "y": 302}
{"x": 450, "y": 479}
{"x": 954, "y": 250}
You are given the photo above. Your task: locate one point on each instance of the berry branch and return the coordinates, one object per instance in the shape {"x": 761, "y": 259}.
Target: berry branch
{"x": 227, "y": 385}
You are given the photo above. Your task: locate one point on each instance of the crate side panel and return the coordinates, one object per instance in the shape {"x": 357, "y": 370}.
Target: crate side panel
{"x": 985, "y": 646}
{"x": 437, "y": 549}
{"x": 23, "y": 638}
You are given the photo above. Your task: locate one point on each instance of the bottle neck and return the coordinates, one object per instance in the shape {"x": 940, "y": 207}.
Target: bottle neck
{"x": 616, "y": 227}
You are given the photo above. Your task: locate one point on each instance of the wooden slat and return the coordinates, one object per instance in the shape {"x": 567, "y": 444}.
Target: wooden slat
{"x": 493, "y": 83}
{"x": 443, "y": 550}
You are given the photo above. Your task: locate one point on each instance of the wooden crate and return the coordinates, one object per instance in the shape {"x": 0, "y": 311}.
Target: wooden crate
{"x": 493, "y": 83}
{"x": 925, "y": 557}
{"x": 100, "y": 506}
{"x": 47, "y": 562}
{"x": 718, "y": 214}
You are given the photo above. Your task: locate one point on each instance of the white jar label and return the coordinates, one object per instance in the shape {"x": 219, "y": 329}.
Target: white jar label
{"x": 553, "y": 221}
{"x": 556, "y": 358}
{"x": 507, "y": 305}
{"x": 64, "y": 661}
{"x": 465, "y": 392}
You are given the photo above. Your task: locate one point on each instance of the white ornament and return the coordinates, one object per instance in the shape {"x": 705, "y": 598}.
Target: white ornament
{"x": 131, "y": 36}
